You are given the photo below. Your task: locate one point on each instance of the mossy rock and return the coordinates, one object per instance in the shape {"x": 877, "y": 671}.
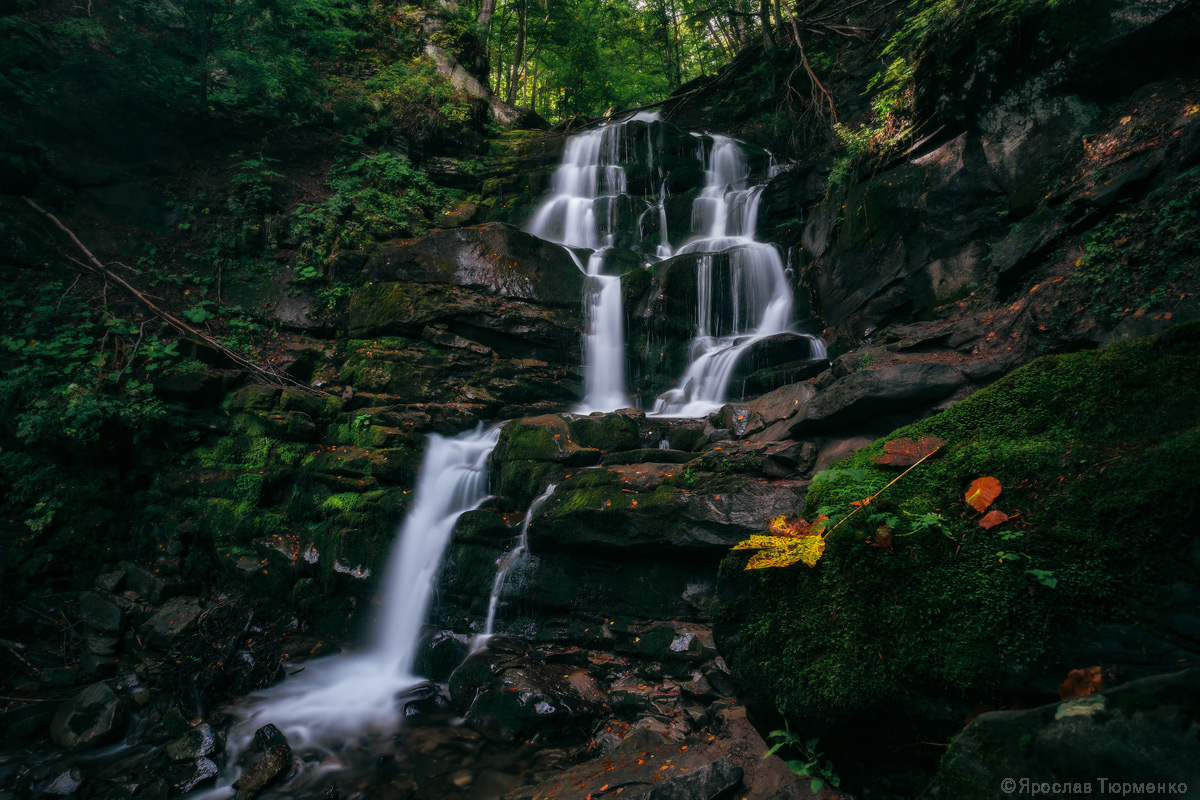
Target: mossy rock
{"x": 544, "y": 438}
{"x": 609, "y": 433}
{"x": 1098, "y": 454}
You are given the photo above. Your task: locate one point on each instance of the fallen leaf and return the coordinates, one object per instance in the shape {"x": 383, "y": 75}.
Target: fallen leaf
{"x": 1081, "y": 682}
{"x": 883, "y": 538}
{"x": 992, "y": 519}
{"x": 906, "y": 452}
{"x": 982, "y": 493}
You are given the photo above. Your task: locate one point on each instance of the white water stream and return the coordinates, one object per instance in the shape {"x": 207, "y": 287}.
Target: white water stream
{"x": 584, "y": 210}
{"x": 344, "y": 697}
{"x": 510, "y": 560}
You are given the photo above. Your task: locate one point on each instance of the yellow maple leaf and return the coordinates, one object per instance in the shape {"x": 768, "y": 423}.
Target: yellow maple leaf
{"x": 783, "y": 552}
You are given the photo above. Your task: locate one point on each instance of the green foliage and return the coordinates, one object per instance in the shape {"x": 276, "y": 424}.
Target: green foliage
{"x": 808, "y": 765}
{"x": 374, "y": 197}
{"x": 416, "y": 100}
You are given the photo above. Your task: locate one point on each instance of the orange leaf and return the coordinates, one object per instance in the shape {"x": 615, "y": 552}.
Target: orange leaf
{"x": 992, "y": 519}
{"x": 982, "y": 493}
{"x": 866, "y": 501}
{"x": 787, "y": 526}
{"x": 1081, "y": 682}
{"x": 906, "y": 452}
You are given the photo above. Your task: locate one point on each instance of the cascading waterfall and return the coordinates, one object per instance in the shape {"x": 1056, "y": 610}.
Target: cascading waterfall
{"x": 743, "y": 293}
{"x": 725, "y": 218}
{"x": 587, "y": 192}
{"x": 511, "y": 559}
{"x": 345, "y": 696}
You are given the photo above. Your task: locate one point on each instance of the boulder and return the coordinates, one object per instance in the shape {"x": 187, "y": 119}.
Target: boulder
{"x": 523, "y": 699}
{"x": 856, "y": 398}
{"x": 495, "y": 258}
{"x": 657, "y": 505}
{"x": 91, "y": 718}
{"x": 200, "y": 741}
{"x": 1145, "y": 731}
{"x": 263, "y": 772}
{"x": 100, "y": 614}
{"x": 172, "y": 622}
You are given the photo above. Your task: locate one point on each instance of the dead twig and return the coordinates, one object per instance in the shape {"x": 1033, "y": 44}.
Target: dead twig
{"x": 262, "y": 373}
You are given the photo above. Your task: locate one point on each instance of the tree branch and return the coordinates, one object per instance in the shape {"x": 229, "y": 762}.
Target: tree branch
{"x": 262, "y": 373}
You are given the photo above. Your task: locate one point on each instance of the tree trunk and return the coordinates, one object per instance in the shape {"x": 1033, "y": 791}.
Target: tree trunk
{"x": 764, "y": 17}
{"x": 483, "y": 65}
{"x": 518, "y": 64}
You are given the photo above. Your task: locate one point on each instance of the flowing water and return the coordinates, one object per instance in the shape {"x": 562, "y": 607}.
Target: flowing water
{"x": 587, "y": 202}
{"x": 725, "y": 220}
{"x": 744, "y": 295}
{"x": 511, "y": 560}
{"x": 338, "y": 700}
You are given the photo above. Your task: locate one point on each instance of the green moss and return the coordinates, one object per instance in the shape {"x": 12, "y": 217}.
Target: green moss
{"x": 610, "y": 433}
{"x": 1098, "y": 456}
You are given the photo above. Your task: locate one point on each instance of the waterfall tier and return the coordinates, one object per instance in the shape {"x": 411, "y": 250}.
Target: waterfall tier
{"x": 616, "y": 194}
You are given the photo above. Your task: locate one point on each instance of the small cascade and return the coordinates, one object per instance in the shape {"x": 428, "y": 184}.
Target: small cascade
{"x": 587, "y": 203}
{"x": 343, "y": 697}
{"x": 510, "y": 560}
{"x": 725, "y": 218}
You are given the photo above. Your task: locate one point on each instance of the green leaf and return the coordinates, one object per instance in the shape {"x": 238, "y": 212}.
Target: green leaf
{"x": 816, "y": 785}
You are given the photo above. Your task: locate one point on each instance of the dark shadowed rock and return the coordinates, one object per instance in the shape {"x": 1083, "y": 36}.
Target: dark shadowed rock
{"x": 100, "y": 613}
{"x": 1142, "y": 732}
{"x": 91, "y": 718}
{"x": 269, "y": 736}
{"x": 496, "y": 258}
{"x": 857, "y": 397}
{"x": 173, "y": 621}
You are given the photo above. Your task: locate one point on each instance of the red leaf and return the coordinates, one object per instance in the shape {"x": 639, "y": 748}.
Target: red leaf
{"x": 906, "y": 452}
{"x": 992, "y": 519}
{"x": 1081, "y": 682}
{"x": 982, "y": 493}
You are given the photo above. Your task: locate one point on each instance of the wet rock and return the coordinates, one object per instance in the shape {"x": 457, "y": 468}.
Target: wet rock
{"x": 269, "y": 736}
{"x": 187, "y": 776}
{"x": 502, "y": 692}
{"x": 856, "y": 398}
{"x": 707, "y": 782}
{"x": 172, "y": 622}
{"x": 65, "y": 784}
{"x": 497, "y": 258}
{"x": 110, "y": 581}
{"x": 100, "y": 613}
{"x": 1141, "y": 732}
{"x": 91, "y": 718}
{"x": 23, "y": 723}
{"x": 265, "y": 771}
{"x": 424, "y": 699}
{"x": 200, "y": 741}
{"x": 101, "y": 645}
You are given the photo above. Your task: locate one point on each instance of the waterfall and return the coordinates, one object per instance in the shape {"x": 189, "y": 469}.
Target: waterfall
{"x": 725, "y": 220}
{"x": 511, "y": 559}
{"x": 346, "y": 696}
{"x": 587, "y": 193}
{"x": 742, "y": 289}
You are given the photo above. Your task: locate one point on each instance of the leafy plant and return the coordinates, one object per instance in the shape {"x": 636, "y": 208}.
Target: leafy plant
{"x": 809, "y": 763}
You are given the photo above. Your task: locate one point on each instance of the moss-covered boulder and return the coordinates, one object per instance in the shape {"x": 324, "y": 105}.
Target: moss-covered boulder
{"x": 916, "y": 613}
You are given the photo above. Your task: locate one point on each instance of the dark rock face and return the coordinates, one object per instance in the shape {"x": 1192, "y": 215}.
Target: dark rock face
{"x": 495, "y": 259}
{"x": 172, "y": 622}
{"x": 1141, "y": 732}
{"x": 91, "y": 718}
